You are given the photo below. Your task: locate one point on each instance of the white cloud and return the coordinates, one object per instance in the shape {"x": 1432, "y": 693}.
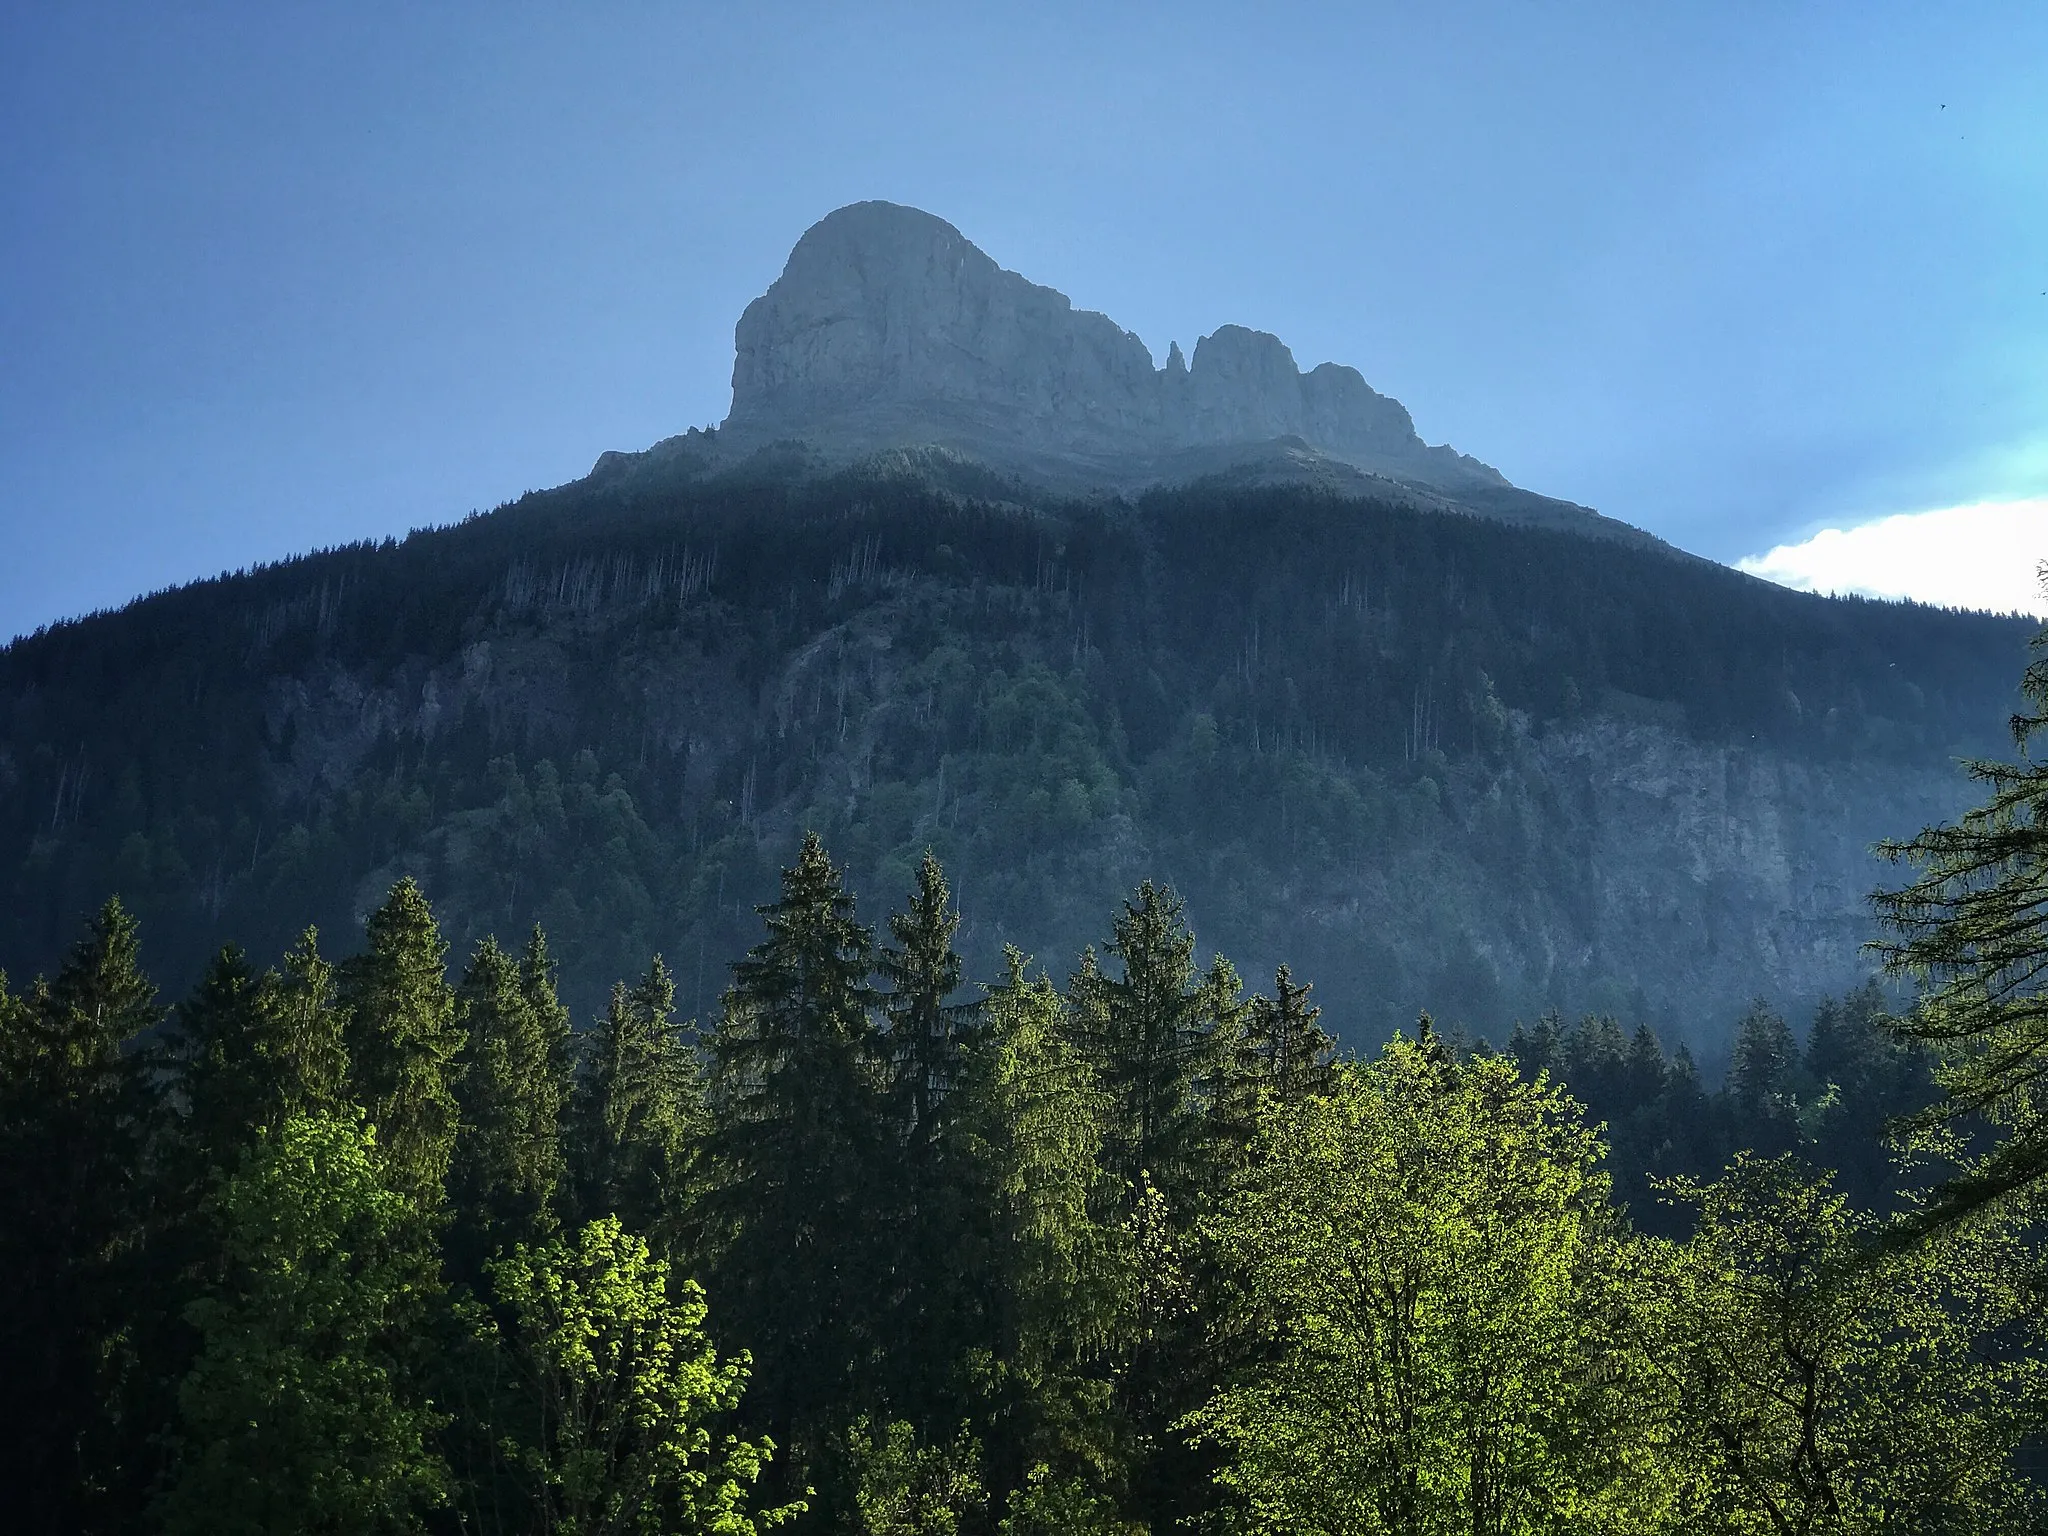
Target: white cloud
{"x": 1983, "y": 556}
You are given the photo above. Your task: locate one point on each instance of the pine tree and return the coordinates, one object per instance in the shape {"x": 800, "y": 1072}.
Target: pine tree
{"x": 1294, "y": 1052}
{"x": 73, "y": 1120}
{"x": 928, "y": 1036}
{"x": 405, "y": 1044}
{"x": 1971, "y": 928}
{"x": 639, "y": 1112}
{"x": 1047, "y": 1240}
{"x": 927, "y": 1032}
{"x": 799, "y": 1127}
{"x": 1151, "y": 1033}
{"x": 509, "y": 1166}
{"x": 245, "y": 1052}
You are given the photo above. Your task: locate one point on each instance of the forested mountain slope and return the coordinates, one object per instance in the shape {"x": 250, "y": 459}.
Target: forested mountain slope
{"x": 1426, "y": 758}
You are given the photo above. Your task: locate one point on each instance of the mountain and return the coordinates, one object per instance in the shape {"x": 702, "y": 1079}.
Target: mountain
{"x": 889, "y": 330}
{"x": 1434, "y": 740}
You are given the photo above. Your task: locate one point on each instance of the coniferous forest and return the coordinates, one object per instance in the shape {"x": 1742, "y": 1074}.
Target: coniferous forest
{"x": 370, "y": 1236}
{"x": 1434, "y": 761}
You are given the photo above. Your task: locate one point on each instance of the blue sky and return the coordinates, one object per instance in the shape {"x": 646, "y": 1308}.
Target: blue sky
{"x": 281, "y": 276}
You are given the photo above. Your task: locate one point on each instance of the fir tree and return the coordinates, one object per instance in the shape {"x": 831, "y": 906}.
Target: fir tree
{"x": 405, "y": 1044}
{"x": 1971, "y": 928}
{"x": 928, "y": 1035}
{"x": 73, "y": 1119}
{"x": 1151, "y": 1033}
{"x": 799, "y": 1126}
{"x": 927, "y": 1031}
{"x": 1293, "y": 1051}
{"x": 639, "y": 1112}
{"x": 245, "y": 1052}
{"x": 1046, "y": 1246}
{"x": 509, "y": 1166}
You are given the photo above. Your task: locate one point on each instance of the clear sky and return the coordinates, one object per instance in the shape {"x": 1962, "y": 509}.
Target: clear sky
{"x": 276, "y": 276}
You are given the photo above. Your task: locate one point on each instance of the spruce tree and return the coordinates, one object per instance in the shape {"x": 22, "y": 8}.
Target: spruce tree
{"x": 1971, "y": 930}
{"x": 405, "y": 1044}
{"x": 245, "y": 1051}
{"x": 799, "y": 1127}
{"x": 1292, "y": 1048}
{"x": 1163, "y": 1036}
{"x": 74, "y": 1113}
{"x": 927, "y": 1031}
{"x": 639, "y": 1112}
{"x": 1151, "y": 1033}
{"x": 928, "y": 1034}
{"x": 513, "y": 1091}
{"x": 1047, "y": 1245}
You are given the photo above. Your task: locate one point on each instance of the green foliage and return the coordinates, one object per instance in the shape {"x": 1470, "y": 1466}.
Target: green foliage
{"x": 405, "y": 1043}
{"x": 905, "y": 1488}
{"x": 1822, "y": 1387}
{"x": 612, "y": 1429}
{"x": 1136, "y": 1256}
{"x": 933, "y": 1299}
{"x": 1972, "y": 928}
{"x": 799, "y": 1129}
{"x": 513, "y": 1093}
{"x": 1292, "y": 1050}
{"x": 1047, "y": 1252}
{"x": 1053, "y": 1506}
{"x": 1428, "y": 1249}
{"x": 74, "y": 1119}
{"x": 1835, "y": 1100}
{"x": 246, "y": 1052}
{"x": 639, "y": 1115}
{"x": 303, "y": 1411}
{"x": 1152, "y": 1035}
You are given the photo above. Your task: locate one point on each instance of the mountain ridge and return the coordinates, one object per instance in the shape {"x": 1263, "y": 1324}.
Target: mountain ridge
{"x": 888, "y": 329}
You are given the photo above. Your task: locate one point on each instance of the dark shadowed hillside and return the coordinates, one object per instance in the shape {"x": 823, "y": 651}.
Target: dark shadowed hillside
{"x": 1427, "y": 758}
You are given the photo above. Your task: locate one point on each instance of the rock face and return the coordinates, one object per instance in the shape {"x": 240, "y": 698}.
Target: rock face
{"x": 888, "y": 328}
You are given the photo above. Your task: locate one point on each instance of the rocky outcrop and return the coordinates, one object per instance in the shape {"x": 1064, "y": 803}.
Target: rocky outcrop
{"x": 888, "y": 327}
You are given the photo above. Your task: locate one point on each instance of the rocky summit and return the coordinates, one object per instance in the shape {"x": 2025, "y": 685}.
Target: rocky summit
{"x": 888, "y": 328}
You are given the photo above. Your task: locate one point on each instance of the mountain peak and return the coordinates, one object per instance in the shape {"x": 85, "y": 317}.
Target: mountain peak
{"x": 889, "y": 328}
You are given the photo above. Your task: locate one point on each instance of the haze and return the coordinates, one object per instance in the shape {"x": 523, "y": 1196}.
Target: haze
{"x": 274, "y": 278}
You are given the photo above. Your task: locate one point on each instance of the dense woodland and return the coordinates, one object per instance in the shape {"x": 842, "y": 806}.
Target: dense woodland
{"x": 377, "y": 1243}
{"x": 613, "y": 709}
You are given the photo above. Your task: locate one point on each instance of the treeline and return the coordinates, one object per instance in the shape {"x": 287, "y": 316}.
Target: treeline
{"x": 609, "y": 709}
{"x": 363, "y": 1245}
{"x": 1830, "y": 1098}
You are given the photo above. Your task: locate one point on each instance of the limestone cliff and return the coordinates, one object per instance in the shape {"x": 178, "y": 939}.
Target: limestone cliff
{"x": 888, "y": 327}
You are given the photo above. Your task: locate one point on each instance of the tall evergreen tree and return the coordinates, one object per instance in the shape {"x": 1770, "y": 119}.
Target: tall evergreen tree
{"x": 1172, "y": 1059}
{"x": 927, "y": 1030}
{"x": 639, "y": 1112}
{"x": 1151, "y": 1033}
{"x": 1292, "y": 1048}
{"x": 1971, "y": 928}
{"x": 799, "y": 1126}
{"x": 405, "y": 1043}
{"x": 928, "y": 1036}
{"x": 1048, "y": 1247}
{"x": 509, "y": 1166}
{"x": 73, "y": 1117}
{"x": 245, "y": 1051}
